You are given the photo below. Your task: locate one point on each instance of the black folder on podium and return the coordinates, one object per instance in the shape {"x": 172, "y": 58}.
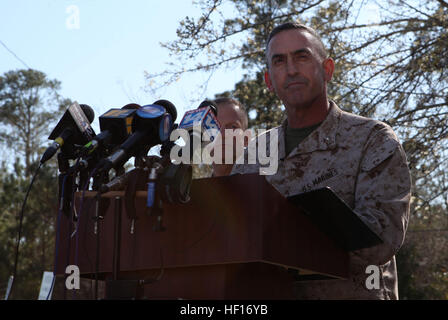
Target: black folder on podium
{"x": 335, "y": 218}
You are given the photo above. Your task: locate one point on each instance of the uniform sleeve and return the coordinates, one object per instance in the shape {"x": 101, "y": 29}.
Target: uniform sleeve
{"x": 246, "y": 164}
{"x": 244, "y": 167}
{"x": 382, "y": 196}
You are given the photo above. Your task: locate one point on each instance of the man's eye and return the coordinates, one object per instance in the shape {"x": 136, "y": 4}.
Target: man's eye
{"x": 278, "y": 61}
{"x": 301, "y": 57}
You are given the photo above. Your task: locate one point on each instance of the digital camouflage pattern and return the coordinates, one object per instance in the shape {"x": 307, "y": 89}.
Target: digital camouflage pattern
{"x": 363, "y": 162}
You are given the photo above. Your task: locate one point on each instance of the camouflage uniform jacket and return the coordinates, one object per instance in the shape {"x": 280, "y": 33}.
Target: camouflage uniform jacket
{"x": 362, "y": 161}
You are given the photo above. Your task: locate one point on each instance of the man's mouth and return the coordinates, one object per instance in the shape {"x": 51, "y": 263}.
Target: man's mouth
{"x": 293, "y": 84}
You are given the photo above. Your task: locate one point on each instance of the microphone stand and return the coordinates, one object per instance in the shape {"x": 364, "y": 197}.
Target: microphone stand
{"x": 117, "y": 239}
{"x": 120, "y": 288}
{"x": 65, "y": 200}
{"x": 116, "y": 287}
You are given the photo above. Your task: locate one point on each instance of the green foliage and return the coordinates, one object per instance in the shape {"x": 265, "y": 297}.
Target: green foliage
{"x": 29, "y": 106}
{"x": 423, "y": 260}
{"x": 259, "y": 101}
{"x": 36, "y": 249}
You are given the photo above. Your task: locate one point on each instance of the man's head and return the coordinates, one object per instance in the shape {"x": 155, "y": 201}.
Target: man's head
{"x": 232, "y": 115}
{"x": 298, "y": 66}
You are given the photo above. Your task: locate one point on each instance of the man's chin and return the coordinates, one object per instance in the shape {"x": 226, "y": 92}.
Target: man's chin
{"x": 299, "y": 104}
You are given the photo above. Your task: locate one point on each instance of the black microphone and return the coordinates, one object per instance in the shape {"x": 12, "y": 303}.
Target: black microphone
{"x": 169, "y": 107}
{"x": 74, "y": 127}
{"x": 209, "y": 104}
{"x": 115, "y": 126}
{"x": 151, "y": 125}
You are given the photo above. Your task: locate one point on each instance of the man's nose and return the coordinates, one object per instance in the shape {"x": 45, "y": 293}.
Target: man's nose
{"x": 291, "y": 67}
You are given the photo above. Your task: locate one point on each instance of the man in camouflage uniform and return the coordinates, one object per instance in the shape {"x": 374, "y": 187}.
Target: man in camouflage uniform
{"x": 320, "y": 145}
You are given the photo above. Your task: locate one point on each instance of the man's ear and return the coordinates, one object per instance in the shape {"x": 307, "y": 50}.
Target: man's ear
{"x": 328, "y": 65}
{"x": 267, "y": 80}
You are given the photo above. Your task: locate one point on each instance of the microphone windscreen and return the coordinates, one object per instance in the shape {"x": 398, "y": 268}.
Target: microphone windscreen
{"x": 132, "y": 106}
{"x": 210, "y": 104}
{"x": 88, "y": 111}
{"x": 170, "y": 108}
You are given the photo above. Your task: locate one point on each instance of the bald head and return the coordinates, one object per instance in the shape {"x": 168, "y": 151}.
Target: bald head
{"x": 231, "y": 113}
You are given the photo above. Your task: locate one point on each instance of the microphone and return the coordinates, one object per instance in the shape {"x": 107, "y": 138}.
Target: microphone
{"x": 151, "y": 125}
{"x": 203, "y": 117}
{"x": 115, "y": 125}
{"x": 209, "y": 104}
{"x": 74, "y": 127}
{"x": 170, "y": 108}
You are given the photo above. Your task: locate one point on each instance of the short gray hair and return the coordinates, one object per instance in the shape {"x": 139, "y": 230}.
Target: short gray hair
{"x": 298, "y": 26}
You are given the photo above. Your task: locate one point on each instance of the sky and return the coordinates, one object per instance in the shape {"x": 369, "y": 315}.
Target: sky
{"x": 100, "y": 49}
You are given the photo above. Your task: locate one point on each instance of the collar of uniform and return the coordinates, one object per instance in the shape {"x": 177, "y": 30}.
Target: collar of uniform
{"x": 323, "y": 138}
{"x": 280, "y": 143}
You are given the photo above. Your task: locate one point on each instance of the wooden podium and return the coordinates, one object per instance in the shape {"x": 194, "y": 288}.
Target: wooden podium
{"x": 237, "y": 238}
